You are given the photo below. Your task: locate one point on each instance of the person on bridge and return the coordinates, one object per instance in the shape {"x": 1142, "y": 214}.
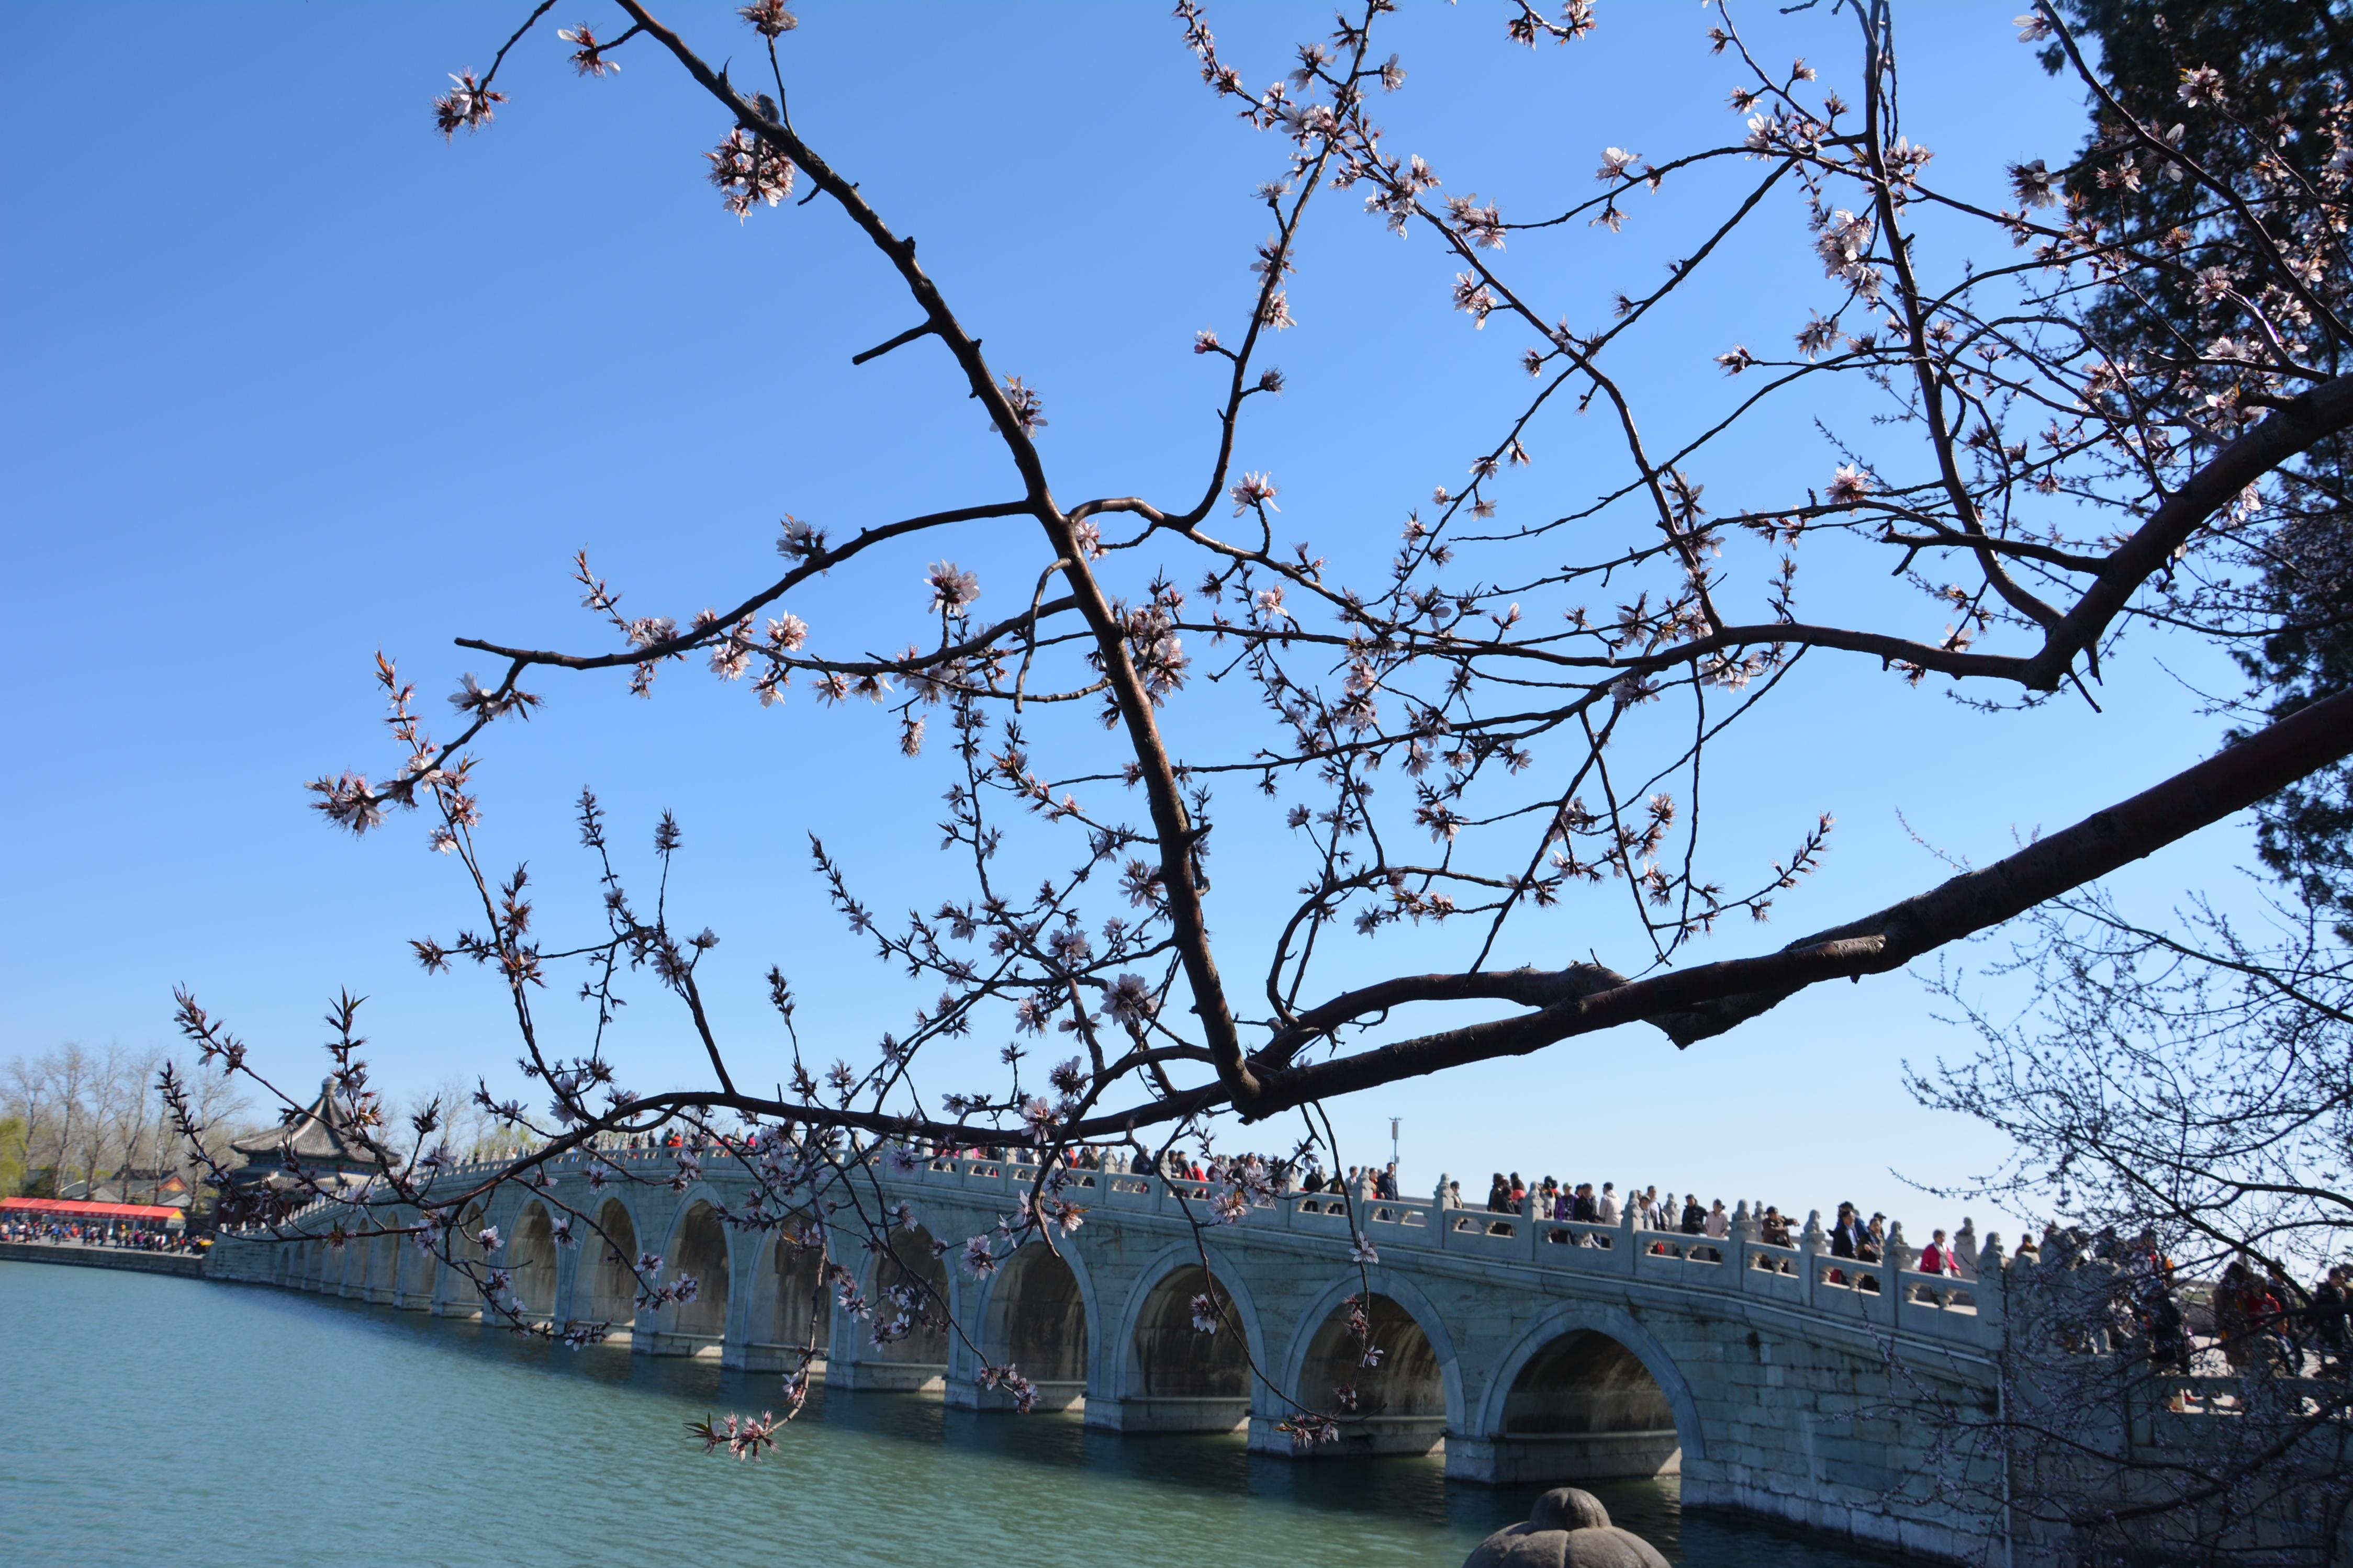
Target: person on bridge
{"x": 1937, "y": 1257}
{"x": 1845, "y": 1239}
{"x": 1965, "y": 1251}
{"x": 1605, "y": 1209}
{"x": 2332, "y": 1328}
{"x": 1694, "y": 1219}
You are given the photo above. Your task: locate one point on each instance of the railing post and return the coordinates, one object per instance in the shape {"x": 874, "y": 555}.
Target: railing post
{"x": 1809, "y": 1248}
{"x": 1528, "y": 1222}
{"x": 1743, "y": 1231}
{"x": 1898, "y": 1257}
{"x": 1991, "y": 1286}
{"x": 1630, "y": 1220}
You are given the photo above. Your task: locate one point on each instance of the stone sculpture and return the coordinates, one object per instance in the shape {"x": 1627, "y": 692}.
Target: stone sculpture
{"x": 1567, "y": 1529}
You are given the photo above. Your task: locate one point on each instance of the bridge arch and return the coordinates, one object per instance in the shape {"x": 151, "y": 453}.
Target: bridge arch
{"x": 696, "y": 1247}
{"x": 383, "y": 1265}
{"x": 1156, "y": 1371}
{"x": 1583, "y": 1370}
{"x": 789, "y": 1297}
{"x": 1414, "y": 1399}
{"x": 454, "y": 1292}
{"x": 531, "y": 1260}
{"x": 1038, "y": 1315}
{"x": 607, "y": 1290}
{"x": 912, "y": 1259}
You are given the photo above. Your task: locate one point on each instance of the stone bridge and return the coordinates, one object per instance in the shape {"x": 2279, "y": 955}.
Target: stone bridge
{"x": 1773, "y": 1378}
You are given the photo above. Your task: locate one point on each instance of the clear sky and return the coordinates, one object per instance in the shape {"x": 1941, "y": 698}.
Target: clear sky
{"x": 289, "y": 380}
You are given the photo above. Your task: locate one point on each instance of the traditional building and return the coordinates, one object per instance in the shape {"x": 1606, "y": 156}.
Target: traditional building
{"x": 318, "y": 1137}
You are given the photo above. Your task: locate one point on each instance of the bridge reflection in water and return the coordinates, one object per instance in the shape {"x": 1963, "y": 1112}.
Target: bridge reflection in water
{"x": 1527, "y": 1349}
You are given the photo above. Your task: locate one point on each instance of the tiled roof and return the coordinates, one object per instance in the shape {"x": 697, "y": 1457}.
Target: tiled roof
{"x": 315, "y": 1135}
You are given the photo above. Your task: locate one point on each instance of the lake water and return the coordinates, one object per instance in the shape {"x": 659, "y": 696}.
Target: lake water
{"x": 157, "y": 1422}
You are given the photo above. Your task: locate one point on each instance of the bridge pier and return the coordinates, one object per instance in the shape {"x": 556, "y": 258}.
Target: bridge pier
{"x": 1366, "y": 1437}
{"x": 1545, "y": 1458}
{"x": 1168, "y": 1413}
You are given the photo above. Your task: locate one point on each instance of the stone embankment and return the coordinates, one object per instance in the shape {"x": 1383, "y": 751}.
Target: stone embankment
{"x": 187, "y": 1265}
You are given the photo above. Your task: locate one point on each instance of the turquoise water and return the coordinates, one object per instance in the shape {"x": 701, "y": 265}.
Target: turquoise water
{"x": 155, "y": 1421}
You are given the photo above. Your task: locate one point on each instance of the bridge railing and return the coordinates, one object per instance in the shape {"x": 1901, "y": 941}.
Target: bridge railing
{"x": 1889, "y": 1295}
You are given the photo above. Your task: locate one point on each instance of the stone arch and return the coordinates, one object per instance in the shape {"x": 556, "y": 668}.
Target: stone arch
{"x": 912, "y": 1259}
{"x": 1412, "y": 1400}
{"x": 1585, "y": 1390}
{"x": 531, "y": 1261}
{"x": 384, "y": 1268}
{"x": 696, "y": 1247}
{"x": 1162, "y": 1373}
{"x": 610, "y": 1293}
{"x": 458, "y": 1290}
{"x": 1038, "y": 1317}
{"x": 420, "y": 1275}
{"x": 790, "y": 1301}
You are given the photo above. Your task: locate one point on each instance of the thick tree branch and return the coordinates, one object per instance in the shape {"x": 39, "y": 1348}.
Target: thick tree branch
{"x": 1695, "y": 1003}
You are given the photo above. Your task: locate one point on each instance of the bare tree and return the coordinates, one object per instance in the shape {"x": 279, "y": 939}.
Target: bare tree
{"x": 93, "y": 1116}
{"x": 1548, "y": 689}
{"x": 2179, "y": 1097}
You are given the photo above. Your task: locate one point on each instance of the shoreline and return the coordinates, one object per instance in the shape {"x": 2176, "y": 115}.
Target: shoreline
{"x": 187, "y": 1266}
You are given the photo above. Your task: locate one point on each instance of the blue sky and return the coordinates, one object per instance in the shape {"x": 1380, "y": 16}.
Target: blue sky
{"x": 291, "y": 380}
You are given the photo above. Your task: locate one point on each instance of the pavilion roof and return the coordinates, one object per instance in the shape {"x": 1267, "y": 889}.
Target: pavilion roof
{"x": 318, "y": 1135}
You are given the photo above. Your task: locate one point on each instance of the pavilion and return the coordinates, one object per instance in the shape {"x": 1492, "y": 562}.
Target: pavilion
{"x": 318, "y": 1138}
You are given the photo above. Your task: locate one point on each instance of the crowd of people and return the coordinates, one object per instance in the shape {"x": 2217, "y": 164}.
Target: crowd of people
{"x": 1851, "y": 1236}
{"x": 2260, "y": 1322}
{"x": 88, "y": 1233}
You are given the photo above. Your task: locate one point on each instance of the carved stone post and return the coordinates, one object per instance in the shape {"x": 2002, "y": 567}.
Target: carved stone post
{"x": 1992, "y": 1288}
{"x": 1809, "y": 1248}
{"x": 1898, "y": 1257}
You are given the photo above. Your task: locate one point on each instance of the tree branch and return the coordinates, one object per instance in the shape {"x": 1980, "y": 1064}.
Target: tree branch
{"x": 1695, "y": 1003}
